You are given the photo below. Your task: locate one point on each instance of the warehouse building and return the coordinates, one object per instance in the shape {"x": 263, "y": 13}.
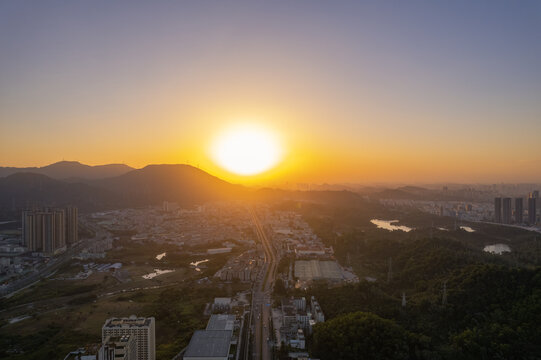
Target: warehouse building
{"x": 209, "y": 345}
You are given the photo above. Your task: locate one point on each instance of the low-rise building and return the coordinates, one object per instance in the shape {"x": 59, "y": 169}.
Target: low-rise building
{"x": 219, "y": 251}
{"x": 209, "y": 345}
{"x": 221, "y": 322}
{"x": 298, "y": 342}
{"x": 298, "y": 320}
{"x": 221, "y": 304}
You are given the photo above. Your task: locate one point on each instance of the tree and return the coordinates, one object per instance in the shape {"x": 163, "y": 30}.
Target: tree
{"x": 360, "y": 336}
{"x": 279, "y": 288}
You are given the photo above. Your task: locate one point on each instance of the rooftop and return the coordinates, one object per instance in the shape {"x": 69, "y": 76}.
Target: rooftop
{"x": 209, "y": 343}
{"x": 117, "y": 339}
{"x": 221, "y": 322}
{"x": 222, "y": 300}
{"x": 315, "y": 269}
{"x": 128, "y": 322}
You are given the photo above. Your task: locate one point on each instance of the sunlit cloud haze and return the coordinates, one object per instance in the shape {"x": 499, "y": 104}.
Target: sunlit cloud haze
{"x": 358, "y": 91}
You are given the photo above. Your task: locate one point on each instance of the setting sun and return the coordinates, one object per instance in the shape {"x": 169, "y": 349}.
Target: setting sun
{"x": 247, "y": 150}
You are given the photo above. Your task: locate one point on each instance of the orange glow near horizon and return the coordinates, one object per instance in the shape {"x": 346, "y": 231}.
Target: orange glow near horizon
{"x": 314, "y": 150}
{"x": 354, "y": 93}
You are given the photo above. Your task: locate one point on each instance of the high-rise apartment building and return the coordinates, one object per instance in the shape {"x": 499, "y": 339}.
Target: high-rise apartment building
{"x": 532, "y": 210}
{"x": 143, "y": 329}
{"x": 118, "y": 348}
{"x": 518, "y": 210}
{"x": 72, "y": 225}
{"x": 44, "y": 230}
{"x": 506, "y": 210}
{"x": 29, "y": 225}
{"x": 498, "y": 210}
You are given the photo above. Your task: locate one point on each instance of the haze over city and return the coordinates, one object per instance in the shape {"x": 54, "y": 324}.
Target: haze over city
{"x": 270, "y": 180}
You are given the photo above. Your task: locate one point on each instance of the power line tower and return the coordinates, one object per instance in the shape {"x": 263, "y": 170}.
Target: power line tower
{"x": 536, "y": 250}
{"x": 390, "y": 273}
{"x": 444, "y": 296}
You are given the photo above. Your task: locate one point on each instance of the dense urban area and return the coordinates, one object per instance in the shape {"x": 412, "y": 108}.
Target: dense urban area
{"x": 284, "y": 279}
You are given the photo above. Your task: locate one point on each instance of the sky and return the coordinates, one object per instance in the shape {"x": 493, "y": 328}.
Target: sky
{"x": 379, "y": 91}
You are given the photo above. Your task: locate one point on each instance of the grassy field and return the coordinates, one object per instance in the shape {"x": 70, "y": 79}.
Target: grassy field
{"x": 64, "y": 315}
{"x": 67, "y": 328}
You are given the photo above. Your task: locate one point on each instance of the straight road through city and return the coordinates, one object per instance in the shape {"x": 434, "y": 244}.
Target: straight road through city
{"x": 261, "y": 309}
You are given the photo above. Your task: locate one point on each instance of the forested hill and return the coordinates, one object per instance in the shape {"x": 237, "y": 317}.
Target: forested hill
{"x": 491, "y": 312}
{"x": 461, "y": 302}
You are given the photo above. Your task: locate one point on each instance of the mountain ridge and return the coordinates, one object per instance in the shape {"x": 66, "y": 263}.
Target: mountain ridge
{"x": 71, "y": 169}
{"x": 169, "y": 182}
{"x": 150, "y": 185}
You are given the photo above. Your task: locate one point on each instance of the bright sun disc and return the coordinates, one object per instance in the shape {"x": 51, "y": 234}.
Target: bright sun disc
{"x": 247, "y": 150}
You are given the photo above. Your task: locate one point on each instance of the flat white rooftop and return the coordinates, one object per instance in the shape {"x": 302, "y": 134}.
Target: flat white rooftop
{"x": 315, "y": 269}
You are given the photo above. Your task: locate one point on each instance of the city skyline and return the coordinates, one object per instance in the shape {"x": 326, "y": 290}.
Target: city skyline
{"x": 371, "y": 92}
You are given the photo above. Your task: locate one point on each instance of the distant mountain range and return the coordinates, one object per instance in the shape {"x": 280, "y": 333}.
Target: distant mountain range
{"x": 136, "y": 187}
{"x": 86, "y": 187}
{"x": 71, "y": 170}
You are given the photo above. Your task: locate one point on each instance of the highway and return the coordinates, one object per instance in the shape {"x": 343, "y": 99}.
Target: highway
{"x": 261, "y": 304}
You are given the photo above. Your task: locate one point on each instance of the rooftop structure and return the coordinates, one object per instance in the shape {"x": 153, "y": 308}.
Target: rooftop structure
{"x": 221, "y": 304}
{"x": 128, "y": 322}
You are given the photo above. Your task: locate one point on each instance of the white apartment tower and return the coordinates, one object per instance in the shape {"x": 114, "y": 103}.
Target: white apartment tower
{"x": 143, "y": 329}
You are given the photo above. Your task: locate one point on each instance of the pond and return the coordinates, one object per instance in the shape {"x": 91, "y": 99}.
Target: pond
{"x": 195, "y": 264}
{"x": 497, "y": 249}
{"x": 156, "y": 272}
{"x": 19, "y": 318}
{"x": 388, "y": 225}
